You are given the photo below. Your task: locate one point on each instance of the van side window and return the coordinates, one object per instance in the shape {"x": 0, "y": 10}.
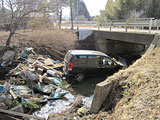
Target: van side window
{"x": 107, "y": 61}
{"x": 93, "y": 61}
{"x": 91, "y": 56}
{"x": 81, "y": 56}
{"x": 80, "y": 61}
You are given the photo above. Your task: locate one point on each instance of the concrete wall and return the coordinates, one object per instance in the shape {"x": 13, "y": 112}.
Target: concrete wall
{"x": 138, "y": 38}
{"x": 155, "y": 43}
{"x": 88, "y": 43}
{"x": 100, "y": 93}
{"x": 113, "y": 43}
{"x": 112, "y": 47}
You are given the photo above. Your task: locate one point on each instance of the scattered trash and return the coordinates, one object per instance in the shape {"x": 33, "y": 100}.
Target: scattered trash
{"x": 51, "y": 72}
{"x": 52, "y": 104}
{"x": 18, "y": 108}
{"x": 24, "y": 54}
{"x": 12, "y": 94}
{"x": 59, "y": 93}
{"x": 82, "y": 111}
{"x": 37, "y": 81}
{"x": 57, "y": 81}
{"x": 4, "y": 98}
{"x": 38, "y": 88}
{"x": 6, "y": 87}
{"x": 87, "y": 101}
{"x": 31, "y": 75}
{"x": 48, "y": 62}
{"x": 21, "y": 90}
{"x": 57, "y": 106}
{"x": 1, "y": 88}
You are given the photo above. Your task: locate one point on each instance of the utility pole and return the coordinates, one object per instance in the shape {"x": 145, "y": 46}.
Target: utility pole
{"x": 71, "y": 14}
{"x": 77, "y": 13}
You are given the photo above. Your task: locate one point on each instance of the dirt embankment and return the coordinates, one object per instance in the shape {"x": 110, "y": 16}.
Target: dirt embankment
{"x": 136, "y": 91}
{"x": 40, "y": 40}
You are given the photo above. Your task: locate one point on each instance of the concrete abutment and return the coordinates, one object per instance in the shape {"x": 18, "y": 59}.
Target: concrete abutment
{"x": 113, "y": 43}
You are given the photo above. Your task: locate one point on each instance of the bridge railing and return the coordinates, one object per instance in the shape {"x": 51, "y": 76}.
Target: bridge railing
{"x": 140, "y": 23}
{"x": 132, "y": 23}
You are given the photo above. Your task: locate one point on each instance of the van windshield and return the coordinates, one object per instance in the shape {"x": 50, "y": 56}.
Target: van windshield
{"x": 107, "y": 61}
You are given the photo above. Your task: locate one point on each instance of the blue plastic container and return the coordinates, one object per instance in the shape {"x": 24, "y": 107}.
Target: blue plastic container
{"x": 1, "y": 88}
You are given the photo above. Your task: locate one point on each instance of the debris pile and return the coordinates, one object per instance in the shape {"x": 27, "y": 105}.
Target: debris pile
{"x": 36, "y": 81}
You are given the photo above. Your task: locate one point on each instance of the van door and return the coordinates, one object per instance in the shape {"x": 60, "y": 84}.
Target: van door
{"x": 79, "y": 64}
{"x": 108, "y": 65}
{"x": 93, "y": 64}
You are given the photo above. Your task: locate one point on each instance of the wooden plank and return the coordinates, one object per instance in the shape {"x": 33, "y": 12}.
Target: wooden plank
{"x": 7, "y": 117}
{"x": 20, "y": 114}
{"x": 55, "y": 55}
{"x": 12, "y": 93}
{"x": 58, "y": 65}
{"x": 48, "y": 67}
{"x": 48, "y": 62}
{"x": 41, "y": 77}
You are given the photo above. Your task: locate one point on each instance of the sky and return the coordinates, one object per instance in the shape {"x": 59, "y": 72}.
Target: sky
{"x": 94, "y": 6}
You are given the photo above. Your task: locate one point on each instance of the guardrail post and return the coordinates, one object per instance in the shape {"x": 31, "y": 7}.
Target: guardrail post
{"x": 110, "y": 28}
{"x": 126, "y": 25}
{"x": 156, "y": 24}
{"x": 150, "y": 25}
{"x": 98, "y": 24}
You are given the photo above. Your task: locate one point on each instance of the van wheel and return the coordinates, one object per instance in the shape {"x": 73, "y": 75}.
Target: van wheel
{"x": 79, "y": 77}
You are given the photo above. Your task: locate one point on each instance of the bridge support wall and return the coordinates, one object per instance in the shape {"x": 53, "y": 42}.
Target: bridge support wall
{"x": 112, "y": 47}
{"x": 113, "y": 43}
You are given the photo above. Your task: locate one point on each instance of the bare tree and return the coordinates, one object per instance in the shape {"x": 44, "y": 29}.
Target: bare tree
{"x": 2, "y": 12}
{"x": 2, "y": 3}
{"x": 18, "y": 10}
{"x": 57, "y": 8}
{"x": 71, "y": 9}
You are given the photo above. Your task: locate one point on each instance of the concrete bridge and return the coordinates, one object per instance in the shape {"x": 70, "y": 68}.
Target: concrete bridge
{"x": 115, "y": 42}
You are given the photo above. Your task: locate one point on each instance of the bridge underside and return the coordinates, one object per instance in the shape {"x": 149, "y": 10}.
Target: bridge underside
{"x": 117, "y": 42}
{"x": 112, "y": 47}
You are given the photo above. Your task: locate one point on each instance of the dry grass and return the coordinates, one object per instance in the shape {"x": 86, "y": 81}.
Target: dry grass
{"x": 136, "y": 91}
{"x": 3, "y": 37}
{"x": 49, "y": 38}
{"x": 141, "y": 85}
{"x": 54, "y": 38}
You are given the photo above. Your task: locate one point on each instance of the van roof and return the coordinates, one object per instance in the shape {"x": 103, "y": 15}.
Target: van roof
{"x": 86, "y": 52}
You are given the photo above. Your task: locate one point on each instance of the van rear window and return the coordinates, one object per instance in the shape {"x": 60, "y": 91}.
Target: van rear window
{"x": 68, "y": 56}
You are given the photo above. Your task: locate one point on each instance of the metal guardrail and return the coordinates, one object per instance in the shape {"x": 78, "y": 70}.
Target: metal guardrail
{"x": 124, "y": 23}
